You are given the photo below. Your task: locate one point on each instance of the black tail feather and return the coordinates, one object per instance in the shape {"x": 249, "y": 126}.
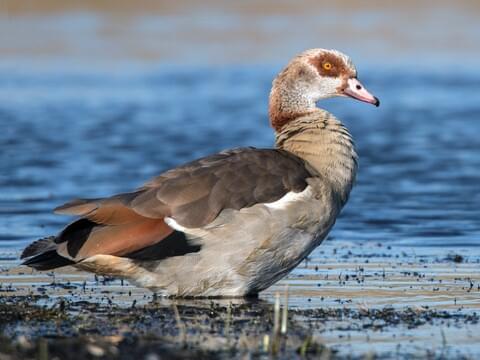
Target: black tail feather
{"x": 42, "y": 255}
{"x": 47, "y": 261}
{"x": 38, "y": 247}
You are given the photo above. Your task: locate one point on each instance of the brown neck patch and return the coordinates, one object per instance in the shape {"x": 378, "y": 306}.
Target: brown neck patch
{"x": 279, "y": 117}
{"x": 331, "y": 65}
{"x": 278, "y": 120}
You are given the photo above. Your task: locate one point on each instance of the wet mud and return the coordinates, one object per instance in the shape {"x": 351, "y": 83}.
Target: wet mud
{"x": 85, "y": 330}
{"x": 347, "y": 301}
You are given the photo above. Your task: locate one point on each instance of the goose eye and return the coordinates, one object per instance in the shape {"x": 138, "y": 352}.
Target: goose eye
{"x": 327, "y": 66}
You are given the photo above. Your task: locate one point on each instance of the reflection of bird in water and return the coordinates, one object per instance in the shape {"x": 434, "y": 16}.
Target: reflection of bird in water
{"x": 233, "y": 223}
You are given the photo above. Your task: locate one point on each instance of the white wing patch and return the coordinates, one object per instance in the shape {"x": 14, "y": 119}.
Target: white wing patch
{"x": 289, "y": 198}
{"x": 174, "y": 225}
{"x": 281, "y": 204}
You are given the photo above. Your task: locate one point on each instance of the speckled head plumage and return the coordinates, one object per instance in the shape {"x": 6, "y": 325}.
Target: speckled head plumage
{"x": 313, "y": 75}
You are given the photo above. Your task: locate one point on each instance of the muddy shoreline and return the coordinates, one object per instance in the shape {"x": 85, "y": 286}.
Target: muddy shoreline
{"x": 84, "y": 330}
{"x": 348, "y": 301}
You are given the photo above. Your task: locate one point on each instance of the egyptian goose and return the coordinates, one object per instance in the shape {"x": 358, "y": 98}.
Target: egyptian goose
{"x": 233, "y": 223}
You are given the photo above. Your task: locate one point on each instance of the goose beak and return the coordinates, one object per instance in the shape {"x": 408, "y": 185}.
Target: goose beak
{"x": 356, "y": 90}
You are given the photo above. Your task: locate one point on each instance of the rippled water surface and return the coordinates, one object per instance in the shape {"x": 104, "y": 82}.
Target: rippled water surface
{"x": 81, "y": 133}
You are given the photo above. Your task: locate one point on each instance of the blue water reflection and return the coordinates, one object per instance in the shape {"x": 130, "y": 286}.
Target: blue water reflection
{"x": 67, "y": 134}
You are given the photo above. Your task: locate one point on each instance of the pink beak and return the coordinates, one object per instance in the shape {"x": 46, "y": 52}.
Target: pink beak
{"x": 357, "y": 91}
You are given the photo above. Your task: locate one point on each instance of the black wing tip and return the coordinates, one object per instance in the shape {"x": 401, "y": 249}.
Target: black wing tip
{"x": 175, "y": 244}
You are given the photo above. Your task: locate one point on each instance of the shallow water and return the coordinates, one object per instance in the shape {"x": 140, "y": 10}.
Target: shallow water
{"x": 83, "y": 133}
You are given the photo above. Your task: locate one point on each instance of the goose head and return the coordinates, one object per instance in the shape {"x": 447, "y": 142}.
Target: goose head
{"x": 311, "y": 76}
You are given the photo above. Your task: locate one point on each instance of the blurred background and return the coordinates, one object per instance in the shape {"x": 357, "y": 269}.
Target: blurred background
{"x": 96, "y": 97}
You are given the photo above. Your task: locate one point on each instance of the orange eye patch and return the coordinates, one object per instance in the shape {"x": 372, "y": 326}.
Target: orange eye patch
{"x": 327, "y": 66}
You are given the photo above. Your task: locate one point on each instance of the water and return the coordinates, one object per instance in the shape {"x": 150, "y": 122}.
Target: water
{"x": 89, "y": 108}
{"x": 87, "y": 133}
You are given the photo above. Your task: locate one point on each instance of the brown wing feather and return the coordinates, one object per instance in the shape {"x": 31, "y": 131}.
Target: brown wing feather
{"x": 77, "y": 207}
{"x": 112, "y": 210}
{"x": 193, "y": 194}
